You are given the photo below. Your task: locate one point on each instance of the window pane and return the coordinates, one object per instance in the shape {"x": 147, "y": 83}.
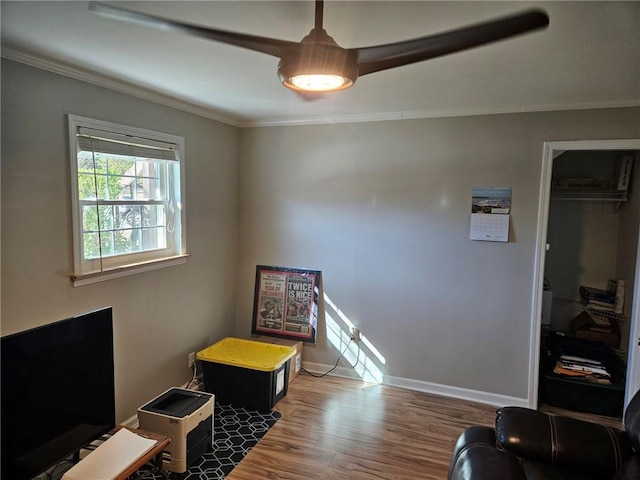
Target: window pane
{"x": 125, "y": 188}
{"x": 156, "y": 215}
{"x": 106, "y": 217}
{"x": 117, "y": 187}
{"x": 88, "y": 162}
{"x": 153, "y": 238}
{"x": 120, "y": 216}
{"x": 119, "y": 165}
{"x": 113, "y": 188}
{"x": 94, "y": 240}
{"x": 126, "y": 241}
{"x": 106, "y": 240}
{"x": 85, "y": 162}
{"x": 86, "y": 186}
{"x": 150, "y": 188}
{"x": 100, "y": 163}
{"x": 89, "y": 218}
{"x": 101, "y": 186}
{"x": 90, "y": 245}
{"x": 121, "y": 178}
{"x": 133, "y": 217}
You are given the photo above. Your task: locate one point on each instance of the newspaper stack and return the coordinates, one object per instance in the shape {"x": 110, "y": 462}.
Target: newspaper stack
{"x": 584, "y": 368}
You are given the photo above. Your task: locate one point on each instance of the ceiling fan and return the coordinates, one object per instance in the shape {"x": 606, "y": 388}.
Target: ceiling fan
{"x": 318, "y": 64}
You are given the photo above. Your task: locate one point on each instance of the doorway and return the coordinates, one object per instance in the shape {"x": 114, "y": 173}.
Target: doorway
{"x": 553, "y": 150}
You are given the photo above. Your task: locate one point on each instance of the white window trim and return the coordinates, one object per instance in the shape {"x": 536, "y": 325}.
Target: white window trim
{"x": 140, "y": 264}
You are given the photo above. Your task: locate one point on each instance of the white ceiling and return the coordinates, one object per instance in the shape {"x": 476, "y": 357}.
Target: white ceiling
{"x": 588, "y": 57}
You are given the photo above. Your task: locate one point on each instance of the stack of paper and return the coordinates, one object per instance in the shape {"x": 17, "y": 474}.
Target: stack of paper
{"x": 586, "y": 368}
{"x": 111, "y": 458}
{"x": 599, "y": 299}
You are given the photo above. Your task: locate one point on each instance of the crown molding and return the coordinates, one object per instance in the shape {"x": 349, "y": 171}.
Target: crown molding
{"x": 118, "y": 85}
{"x": 106, "y": 81}
{"x": 441, "y": 113}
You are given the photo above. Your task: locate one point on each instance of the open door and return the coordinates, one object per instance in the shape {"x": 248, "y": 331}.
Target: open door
{"x": 551, "y": 151}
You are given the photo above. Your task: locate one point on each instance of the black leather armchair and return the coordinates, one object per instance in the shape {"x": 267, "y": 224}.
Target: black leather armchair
{"x": 530, "y": 445}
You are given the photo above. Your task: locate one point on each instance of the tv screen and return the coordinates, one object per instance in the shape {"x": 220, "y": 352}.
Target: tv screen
{"x": 57, "y": 392}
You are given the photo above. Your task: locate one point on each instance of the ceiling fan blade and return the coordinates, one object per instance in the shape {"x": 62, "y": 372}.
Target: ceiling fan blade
{"x": 383, "y": 57}
{"x": 270, "y": 46}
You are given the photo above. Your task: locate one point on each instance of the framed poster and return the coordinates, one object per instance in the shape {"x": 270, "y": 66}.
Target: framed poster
{"x": 285, "y": 303}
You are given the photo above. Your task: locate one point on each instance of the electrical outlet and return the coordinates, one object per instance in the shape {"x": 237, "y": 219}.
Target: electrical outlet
{"x": 355, "y": 334}
{"x": 192, "y": 359}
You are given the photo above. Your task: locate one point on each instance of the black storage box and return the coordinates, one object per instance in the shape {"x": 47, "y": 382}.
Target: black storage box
{"x": 245, "y": 373}
{"x": 583, "y": 396}
{"x": 251, "y": 389}
{"x": 579, "y": 394}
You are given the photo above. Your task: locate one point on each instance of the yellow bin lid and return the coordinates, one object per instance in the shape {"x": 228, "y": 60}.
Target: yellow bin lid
{"x": 247, "y": 354}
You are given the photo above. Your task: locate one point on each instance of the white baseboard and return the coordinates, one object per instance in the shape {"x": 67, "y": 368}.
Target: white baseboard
{"x": 320, "y": 368}
{"x": 131, "y": 422}
{"x": 487, "y": 398}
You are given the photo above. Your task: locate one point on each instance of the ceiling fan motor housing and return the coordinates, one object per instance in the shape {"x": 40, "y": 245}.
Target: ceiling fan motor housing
{"x": 318, "y": 53}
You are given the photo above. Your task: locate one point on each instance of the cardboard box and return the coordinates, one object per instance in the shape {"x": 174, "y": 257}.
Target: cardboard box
{"x": 584, "y": 326}
{"x": 296, "y": 361}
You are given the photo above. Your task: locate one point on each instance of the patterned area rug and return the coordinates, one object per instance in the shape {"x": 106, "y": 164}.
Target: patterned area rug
{"x": 236, "y": 432}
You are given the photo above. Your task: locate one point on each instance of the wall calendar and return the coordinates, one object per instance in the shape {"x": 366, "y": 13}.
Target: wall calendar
{"x": 490, "y": 209}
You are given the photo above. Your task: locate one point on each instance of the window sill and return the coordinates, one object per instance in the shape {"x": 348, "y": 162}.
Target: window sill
{"x": 88, "y": 278}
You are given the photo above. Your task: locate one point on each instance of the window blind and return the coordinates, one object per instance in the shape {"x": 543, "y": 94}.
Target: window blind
{"x": 101, "y": 141}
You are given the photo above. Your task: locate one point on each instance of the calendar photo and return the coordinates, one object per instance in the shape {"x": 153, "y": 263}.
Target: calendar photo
{"x": 492, "y": 200}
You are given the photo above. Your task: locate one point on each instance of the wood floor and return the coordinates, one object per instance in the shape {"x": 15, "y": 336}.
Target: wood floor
{"x": 335, "y": 428}
{"x": 609, "y": 421}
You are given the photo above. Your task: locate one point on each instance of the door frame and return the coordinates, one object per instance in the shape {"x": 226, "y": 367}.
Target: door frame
{"x": 551, "y": 151}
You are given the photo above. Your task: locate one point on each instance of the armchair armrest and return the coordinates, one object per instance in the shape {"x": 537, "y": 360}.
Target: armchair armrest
{"x": 562, "y": 441}
{"x": 475, "y": 458}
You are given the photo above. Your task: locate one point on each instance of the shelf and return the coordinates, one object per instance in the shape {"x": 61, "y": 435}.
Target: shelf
{"x": 580, "y": 306}
{"x": 592, "y": 195}
{"x": 606, "y": 313}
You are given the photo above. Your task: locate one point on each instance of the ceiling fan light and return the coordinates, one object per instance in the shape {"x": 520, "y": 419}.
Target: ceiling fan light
{"x": 319, "y": 82}
{"x": 318, "y": 77}
{"x": 323, "y": 67}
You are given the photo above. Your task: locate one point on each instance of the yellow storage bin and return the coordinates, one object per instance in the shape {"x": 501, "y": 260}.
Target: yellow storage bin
{"x": 246, "y": 373}
{"x": 247, "y": 354}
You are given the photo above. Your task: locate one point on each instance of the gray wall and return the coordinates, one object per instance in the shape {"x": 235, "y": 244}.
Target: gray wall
{"x": 159, "y": 316}
{"x": 383, "y": 210}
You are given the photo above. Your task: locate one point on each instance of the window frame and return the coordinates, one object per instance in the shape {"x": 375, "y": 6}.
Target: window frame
{"x": 86, "y": 271}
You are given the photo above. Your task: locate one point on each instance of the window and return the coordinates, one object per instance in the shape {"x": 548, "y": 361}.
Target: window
{"x": 128, "y": 213}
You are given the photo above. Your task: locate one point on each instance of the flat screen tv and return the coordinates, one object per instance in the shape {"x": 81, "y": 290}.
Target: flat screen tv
{"x": 57, "y": 392}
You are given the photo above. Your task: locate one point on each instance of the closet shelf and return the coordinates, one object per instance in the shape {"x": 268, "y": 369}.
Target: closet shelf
{"x": 606, "y": 313}
{"x": 580, "y": 306}
{"x": 600, "y": 196}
